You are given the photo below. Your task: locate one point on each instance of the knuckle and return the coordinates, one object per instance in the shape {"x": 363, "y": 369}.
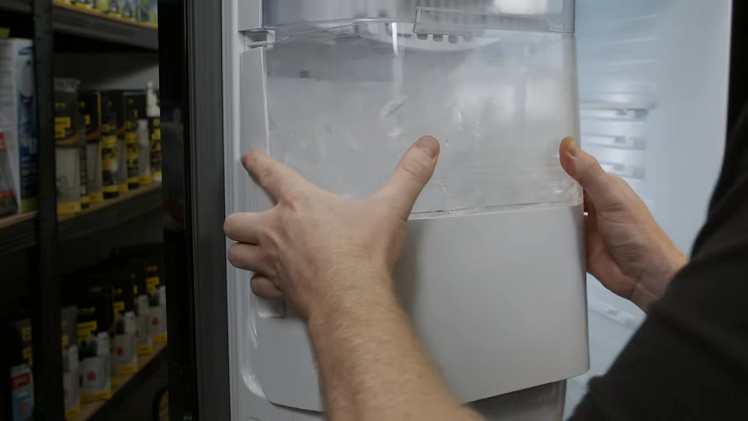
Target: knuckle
{"x": 266, "y": 237}
{"x": 416, "y": 167}
{"x": 590, "y": 170}
{"x": 233, "y": 255}
{"x": 294, "y": 200}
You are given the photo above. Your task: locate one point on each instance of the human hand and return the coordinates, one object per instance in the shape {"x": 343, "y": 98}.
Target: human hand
{"x": 626, "y": 249}
{"x": 315, "y": 248}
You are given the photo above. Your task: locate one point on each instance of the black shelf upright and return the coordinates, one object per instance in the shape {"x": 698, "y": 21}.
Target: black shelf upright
{"x": 45, "y": 286}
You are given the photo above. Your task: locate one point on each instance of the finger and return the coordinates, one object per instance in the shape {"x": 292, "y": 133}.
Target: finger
{"x": 585, "y": 169}
{"x": 263, "y": 287}
{"x": 273, "y": 176}
{"x": 248, "y": 257}
{"x": 413, "y": 172}
{"x": 245, "y": 227}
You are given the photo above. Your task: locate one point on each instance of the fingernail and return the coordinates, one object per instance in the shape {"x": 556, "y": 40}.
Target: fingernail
{"x": 573, "y": 148}
{"x": 429, "y": 145}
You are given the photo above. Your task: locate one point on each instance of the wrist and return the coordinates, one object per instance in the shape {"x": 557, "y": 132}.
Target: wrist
{"x": 654, "y": 282}
{"x": 349, "y": 294}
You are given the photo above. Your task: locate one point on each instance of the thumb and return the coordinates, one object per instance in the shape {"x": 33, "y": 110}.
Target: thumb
{"x": 413, "y": 172}
{"x": 584, "y": 168}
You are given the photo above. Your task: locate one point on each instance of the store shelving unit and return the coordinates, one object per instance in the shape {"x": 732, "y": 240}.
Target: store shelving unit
{"x": 89, "y": 24}
{"x": 111, "y": 213}
{"x": 41, "y": 234}
{"x": 147, "y": 366}
{"x": 17, "y": 232}
{"x": 23, "y": 6}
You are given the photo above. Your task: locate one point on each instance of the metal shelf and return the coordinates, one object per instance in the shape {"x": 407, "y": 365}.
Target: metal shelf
{"x": 23, "y": 6}
{"x": 89, "y": 24}
{"x": 17, "y": 232}
{"x": 110, "y": 213}
{"x": 147, "y": 366}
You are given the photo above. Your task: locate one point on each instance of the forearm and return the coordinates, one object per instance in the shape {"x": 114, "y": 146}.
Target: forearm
{"x": 371, "y": 364}
{"x": 654, "y": 281}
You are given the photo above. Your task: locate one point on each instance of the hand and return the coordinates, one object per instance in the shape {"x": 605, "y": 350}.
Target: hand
{"x": 626, "y": 249}
{"x": 314, "y": 247}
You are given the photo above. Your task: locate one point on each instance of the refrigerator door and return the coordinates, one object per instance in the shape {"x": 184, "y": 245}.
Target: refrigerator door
{"x": 492, "y": 274}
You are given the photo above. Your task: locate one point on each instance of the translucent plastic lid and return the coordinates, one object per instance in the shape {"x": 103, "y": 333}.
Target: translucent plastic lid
{"x": 443, "y": 16}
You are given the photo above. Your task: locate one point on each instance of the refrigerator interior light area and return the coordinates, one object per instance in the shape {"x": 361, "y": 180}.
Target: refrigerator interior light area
{"x": 339, "y": 89}
{"x": 653, "y": 82}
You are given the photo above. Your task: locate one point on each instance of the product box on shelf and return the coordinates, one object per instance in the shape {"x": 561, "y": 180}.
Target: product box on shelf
{"x": 68, "y": 144}
{"x": 7, "y": 194}
{"x": 17, "y": 385}
{"x": 84, "y": 4}
{"x": 128, "y": 11}
{"x": 144, "y": 139}
{"x": 113, "y": 173}
{"x": 18, "y": 121}
{"x": 151, "y": 257}
{"x": 109, "y": 7}
{"x": 136, "y": 271}
{"x": 70, "y": 362}
{"x": 125, "y": 355}
{"x": 133, "y": 102}
{"x": 153, "y": 12}
{"x": 94, "y": 321}
{"x": 90, "y": 108}
{"x": 153, "y": 111}
{"x": 117, "y": 101}
{"x": 143, "y": 11}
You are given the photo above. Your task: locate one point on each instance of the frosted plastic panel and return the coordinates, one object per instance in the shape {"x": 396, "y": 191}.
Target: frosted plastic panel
{"x": 344, "y": 104}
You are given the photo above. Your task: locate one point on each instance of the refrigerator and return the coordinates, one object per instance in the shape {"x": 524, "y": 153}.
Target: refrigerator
{"x": 645, "y": 85}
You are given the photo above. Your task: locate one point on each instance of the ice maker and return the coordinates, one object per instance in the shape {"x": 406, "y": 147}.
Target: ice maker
{"x": 493, "y": 272}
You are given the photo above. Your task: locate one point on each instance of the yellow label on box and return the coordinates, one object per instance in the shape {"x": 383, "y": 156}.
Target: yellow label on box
{"x": 151, "y": 283}
{"x": 65, "y": 341}
{"x": 127, "y": 369}
{"x": 123, "y": 188}
{"x": 26, "y": 334}
{"x": 98, "y": 396}
{"x": 72, "y": 413}
{"x": 64, "y": 122}
{"x": 68, "y": 208}
{"x": 96, "y": 197}
{"x": 160, "y": 338}
{"x": 85, "y": 329}
{"x": 119, "y": 306}
{"x": 87, "y": 117}
{"x": 28, "y": 355}
{"x": 145, "y": 349}
{"x": 146, "y": 180}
